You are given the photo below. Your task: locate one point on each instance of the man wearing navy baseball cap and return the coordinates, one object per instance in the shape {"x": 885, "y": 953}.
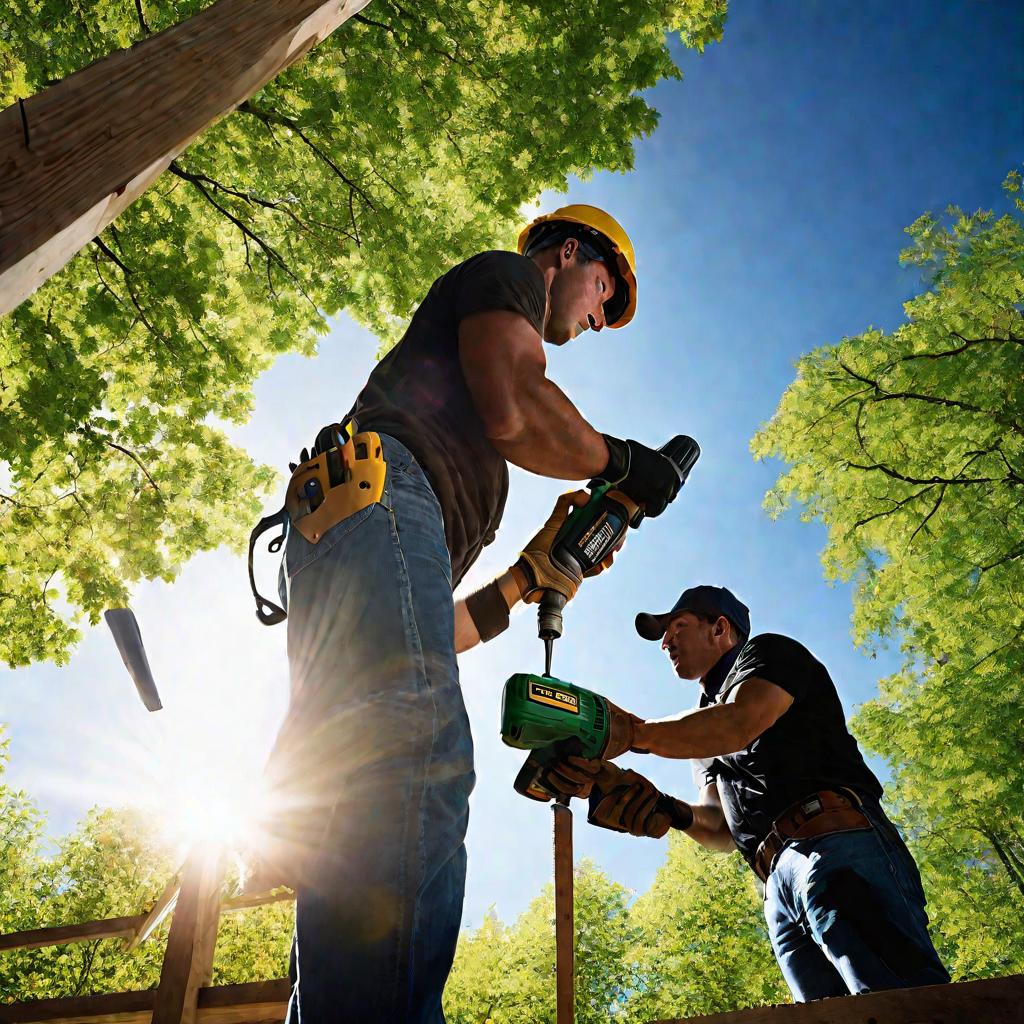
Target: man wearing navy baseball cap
{"x": 781, "y": 780}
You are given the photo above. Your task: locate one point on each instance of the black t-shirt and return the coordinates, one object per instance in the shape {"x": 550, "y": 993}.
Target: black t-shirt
{"x": 418, "y": 395}
{"x": 808, "y": 749}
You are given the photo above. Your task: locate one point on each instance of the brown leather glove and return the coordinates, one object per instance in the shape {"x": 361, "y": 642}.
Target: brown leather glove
{"x": 621, "y": 732}
{"x": 628, "y": 802}
{"x": 537, "y": 571}
{"x": 574, "y": 776}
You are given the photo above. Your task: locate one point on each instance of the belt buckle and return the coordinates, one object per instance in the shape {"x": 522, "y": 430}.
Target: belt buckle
{"x": 811, "y": 807}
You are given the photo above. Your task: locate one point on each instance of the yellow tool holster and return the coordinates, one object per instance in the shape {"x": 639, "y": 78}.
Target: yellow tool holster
{"x": 357, "y": 467}
{"x": 322, "y": 491}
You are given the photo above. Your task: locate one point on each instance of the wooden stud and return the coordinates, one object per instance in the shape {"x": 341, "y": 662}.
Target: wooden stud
{"x": 188, "y": 961}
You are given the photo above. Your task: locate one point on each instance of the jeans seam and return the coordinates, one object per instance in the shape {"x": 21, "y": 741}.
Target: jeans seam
{"x": 412, "y": 631}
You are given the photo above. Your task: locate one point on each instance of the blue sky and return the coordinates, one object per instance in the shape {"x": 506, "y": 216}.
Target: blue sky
{"x": 767, "y": 212}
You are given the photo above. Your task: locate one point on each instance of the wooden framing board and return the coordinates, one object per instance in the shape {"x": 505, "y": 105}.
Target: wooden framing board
{"x": 112, "y": 928}
{"x": 254, "y": 1003}
{"x": 992, "y": 1001}
{"x": 134, "y": 929}
{"x": 188, "y": 960}
{"x": 73, "y": 156}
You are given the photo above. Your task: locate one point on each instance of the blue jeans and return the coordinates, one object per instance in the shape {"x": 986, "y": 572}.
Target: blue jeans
{"x": 846, "y": 914}
{"x": 375, "y": 761}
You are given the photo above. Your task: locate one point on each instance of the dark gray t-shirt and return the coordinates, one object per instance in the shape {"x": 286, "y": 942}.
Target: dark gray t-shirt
{"x": 418, "y": 395}
{"x": 808, "y": 749}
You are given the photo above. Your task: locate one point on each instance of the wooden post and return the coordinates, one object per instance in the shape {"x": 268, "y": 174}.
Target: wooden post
{"x": 565, "y": 967}
{"x": 188, "y": 962}
{"x": 75, "y": 155}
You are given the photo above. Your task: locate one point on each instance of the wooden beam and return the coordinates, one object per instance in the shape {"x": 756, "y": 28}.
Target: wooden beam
{"x": 164, "y": 904}
{"x": 112, "y": 928}
{"x": 188, "y": 960}
{"x": 135, "y": 929}
{"x": 992, "y": 1001}
{"x": 259, "y": 899}
{"x": 253, "y": 1003}
{"x": 75, "y": 155}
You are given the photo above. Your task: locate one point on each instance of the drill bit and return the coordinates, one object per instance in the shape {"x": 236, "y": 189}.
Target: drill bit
{"x": 549, "y": 649}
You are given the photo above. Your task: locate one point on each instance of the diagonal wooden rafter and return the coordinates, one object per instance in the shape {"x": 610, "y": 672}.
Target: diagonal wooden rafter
{"x": 77, "y": 154}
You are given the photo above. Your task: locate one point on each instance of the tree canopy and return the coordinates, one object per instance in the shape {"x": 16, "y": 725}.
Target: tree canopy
{"x": 401, "y": 145}
{"x": 909, "y": 446}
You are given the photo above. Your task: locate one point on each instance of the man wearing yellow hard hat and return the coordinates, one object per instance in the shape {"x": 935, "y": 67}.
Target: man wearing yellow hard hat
{"x": 376, "y": 754}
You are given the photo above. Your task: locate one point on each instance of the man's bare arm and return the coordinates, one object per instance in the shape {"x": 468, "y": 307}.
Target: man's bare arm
{"x": 527, "y": 417}
{"x": 754, "y": 706}
{"x": 709, "y": 827}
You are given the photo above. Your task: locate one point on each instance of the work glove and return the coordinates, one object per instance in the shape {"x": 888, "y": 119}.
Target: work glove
{"x": 536, "y": 570}
{"x": 622, "y": 728}
{"x": 571, "y": 776}
{"x": 641, "y": 473}
{"x": 625, "y": 801}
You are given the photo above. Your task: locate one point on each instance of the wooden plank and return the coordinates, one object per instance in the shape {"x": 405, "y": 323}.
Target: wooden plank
{"x": 135, "y": 929}
{"x": 260, "y": 899}
{"x": 117, "y": 1008}
{"x": 112, "y": 928}
{"x": 75, "y": 155}
{"x": 565, "y": 966}
{"x": 188, "y": 961}
{"x": 253, "y": 1003}
{"x": 163, "y": 906}
{"x": 992, "y": 1001}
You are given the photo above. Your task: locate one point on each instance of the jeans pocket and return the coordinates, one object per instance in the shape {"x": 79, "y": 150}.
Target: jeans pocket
{"x": 301, "y": 552}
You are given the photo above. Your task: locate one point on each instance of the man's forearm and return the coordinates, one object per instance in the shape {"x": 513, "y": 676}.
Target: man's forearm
{"x": 707, "y": 732}
{"x": 551, "y": 437}
{"x": 709, "y": 829}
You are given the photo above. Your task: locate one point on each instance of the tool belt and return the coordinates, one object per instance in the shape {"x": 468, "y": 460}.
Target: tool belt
{"x": 345, "y": 474}
{"x": 820, "y": 814}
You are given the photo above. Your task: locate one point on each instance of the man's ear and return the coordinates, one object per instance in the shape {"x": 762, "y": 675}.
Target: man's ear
{"x": 568, "y": 250}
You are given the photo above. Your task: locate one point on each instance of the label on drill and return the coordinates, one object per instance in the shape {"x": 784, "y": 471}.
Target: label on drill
{"x": 599, "y": 535}
{"x": 541, "y": 694}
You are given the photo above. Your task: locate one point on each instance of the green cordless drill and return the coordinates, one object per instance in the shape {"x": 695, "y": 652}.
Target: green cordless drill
{"x": 552, "y": 719}
{"x": 595, "y": 530}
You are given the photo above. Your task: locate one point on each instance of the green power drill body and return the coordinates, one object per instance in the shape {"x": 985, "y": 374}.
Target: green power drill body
{"x": 553, "y": 719}
{"x": 595, "y": 530}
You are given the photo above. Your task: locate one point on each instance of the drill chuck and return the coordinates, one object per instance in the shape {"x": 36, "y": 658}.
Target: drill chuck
{"x": 549, "y": 615}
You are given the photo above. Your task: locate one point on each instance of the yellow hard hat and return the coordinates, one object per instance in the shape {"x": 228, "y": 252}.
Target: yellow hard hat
{"x": 613, "y": 240}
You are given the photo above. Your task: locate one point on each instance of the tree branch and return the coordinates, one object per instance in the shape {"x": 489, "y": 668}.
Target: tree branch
{"x": 138, "y": 462}
{"x": 142, "y": 18}
{"x": 934, "y": 509}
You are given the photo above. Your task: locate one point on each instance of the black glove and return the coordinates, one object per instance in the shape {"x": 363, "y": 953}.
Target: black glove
{"x": 631, "y": 803}
{"x": 641, "y": 473}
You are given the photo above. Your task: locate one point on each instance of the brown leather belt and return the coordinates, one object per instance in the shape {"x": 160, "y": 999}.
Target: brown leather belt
{"x": 819, "y": 814}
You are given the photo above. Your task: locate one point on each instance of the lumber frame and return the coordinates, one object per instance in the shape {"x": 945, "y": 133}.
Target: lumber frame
{"x": 111, "y": 928}
{"x": 134, "y": 930}
{"x": 992, "y": 1001}
{"x": 75, "y": 155}
{"x": 188, "y": 960}
{"x": 252, "y": 1003}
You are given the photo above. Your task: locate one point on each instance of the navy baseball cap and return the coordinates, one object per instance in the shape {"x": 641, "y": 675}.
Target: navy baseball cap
{"x": 706, "y": 600}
